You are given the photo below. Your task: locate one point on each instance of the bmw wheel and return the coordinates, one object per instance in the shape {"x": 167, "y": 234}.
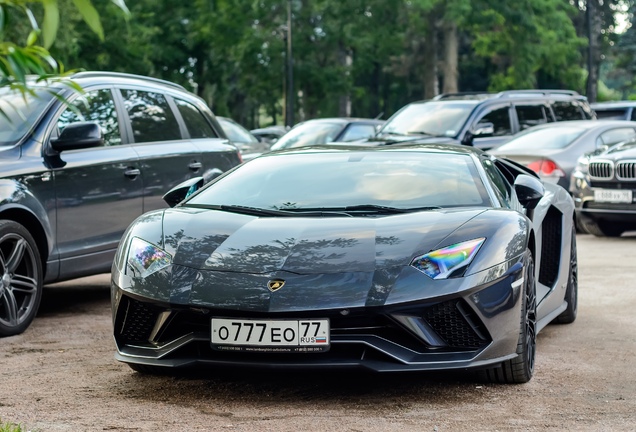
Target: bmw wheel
{"x": 21, "y": 283}
{"x": 520, "y": 369}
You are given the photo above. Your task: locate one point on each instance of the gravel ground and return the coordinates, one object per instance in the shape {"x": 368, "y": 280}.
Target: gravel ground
{"x": 60, "y": 375}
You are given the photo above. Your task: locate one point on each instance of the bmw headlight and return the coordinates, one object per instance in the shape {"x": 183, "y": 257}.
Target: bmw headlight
{"x": 441, "y": 263}
{"x": 145, "y": 258}
{"x": 582, "y": 165}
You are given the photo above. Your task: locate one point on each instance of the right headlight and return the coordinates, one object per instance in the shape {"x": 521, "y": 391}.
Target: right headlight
{"x": 145, "y": 258}
{"x": 441, "y": 263}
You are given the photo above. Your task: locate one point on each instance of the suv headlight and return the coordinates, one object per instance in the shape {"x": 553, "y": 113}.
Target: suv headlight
{"x": 441, "y": 263}
{"x": 145, "y": 258}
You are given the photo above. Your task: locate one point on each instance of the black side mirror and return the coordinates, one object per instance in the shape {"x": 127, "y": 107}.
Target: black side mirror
{"x": 79, "y": 135}
{"x": 529, "y": 191}
{"x": 183, "y": 190}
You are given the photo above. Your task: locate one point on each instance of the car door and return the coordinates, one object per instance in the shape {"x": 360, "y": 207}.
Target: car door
{"x": 98, "y": 190}
{"x": 166, "y": 157}
{"x": 217, "y": 155}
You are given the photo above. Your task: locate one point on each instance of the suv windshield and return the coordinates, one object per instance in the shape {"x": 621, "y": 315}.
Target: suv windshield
{"x": 399, "y": 180}
{"x": 430, "y": 118}
{"x": 310, "y": 133}
{"x": 19, "y": 113}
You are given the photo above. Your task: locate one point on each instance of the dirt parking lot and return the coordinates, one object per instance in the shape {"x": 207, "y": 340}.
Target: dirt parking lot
{"x": 61, "y": 376}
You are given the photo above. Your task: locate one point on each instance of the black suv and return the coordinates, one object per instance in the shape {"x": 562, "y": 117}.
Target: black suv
{"x": 483, "y": 120}
{"x": 74, "y": 176}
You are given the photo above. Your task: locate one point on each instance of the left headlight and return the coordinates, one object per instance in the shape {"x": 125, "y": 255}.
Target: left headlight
{"x": 145, "y": 258}
{"x": 441, "y": 263}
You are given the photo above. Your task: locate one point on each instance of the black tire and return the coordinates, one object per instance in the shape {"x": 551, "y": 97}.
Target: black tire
{"x": 521, "y": 368}
{"x": 572, "y": 291}
{"x": 21, "y": 278}
{"x": 602, "y": 228}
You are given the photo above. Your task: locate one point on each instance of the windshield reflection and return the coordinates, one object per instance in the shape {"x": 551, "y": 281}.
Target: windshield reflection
{"x": 430, "y": 118}
{"x": 310, "y": 133}
{"x": 404, "y": 180}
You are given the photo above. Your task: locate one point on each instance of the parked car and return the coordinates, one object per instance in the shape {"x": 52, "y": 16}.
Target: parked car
{"x": 269, "y": 134}
{"x": 617, "y": 110}
{"x": 369, "y": 267}
{"x": 247, "y": 143}
{"x": 482, "y": 120}
{"x": 72, "y": 178}
{"x": 603, "y": 188}
{"x": 552, "y": 150}
{"x": 327, "y": 130}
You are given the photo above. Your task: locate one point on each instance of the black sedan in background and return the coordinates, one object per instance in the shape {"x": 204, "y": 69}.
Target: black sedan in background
{"x": 604, "y": 186}
{"x": 401, "y": 259}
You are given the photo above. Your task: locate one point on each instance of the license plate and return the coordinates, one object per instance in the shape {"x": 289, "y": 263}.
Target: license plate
{"x": 230, "y": 334}
{"x": 612, "y": 196}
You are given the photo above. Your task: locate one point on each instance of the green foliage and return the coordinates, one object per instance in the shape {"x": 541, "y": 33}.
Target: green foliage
{"x": 19, "y": 61}
{"x": 10, "y": 427}
{"x": 372, "y": 53}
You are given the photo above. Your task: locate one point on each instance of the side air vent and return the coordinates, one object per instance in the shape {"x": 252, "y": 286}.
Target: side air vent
{"x": 551, "y": 247}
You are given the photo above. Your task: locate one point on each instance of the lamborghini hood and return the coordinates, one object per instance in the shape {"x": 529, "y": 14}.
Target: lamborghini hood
{"x": 230, "y": 242}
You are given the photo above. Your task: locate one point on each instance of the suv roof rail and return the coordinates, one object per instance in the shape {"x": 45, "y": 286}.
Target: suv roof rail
{"x": 90, "y": 74}
{"x": 538, "y": 92}
{"x": 464, "y": 95}
{"x": 505, "y": 93}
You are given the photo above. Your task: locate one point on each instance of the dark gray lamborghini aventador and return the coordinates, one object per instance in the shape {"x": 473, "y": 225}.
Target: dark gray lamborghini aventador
{"x": 391, "y": 259}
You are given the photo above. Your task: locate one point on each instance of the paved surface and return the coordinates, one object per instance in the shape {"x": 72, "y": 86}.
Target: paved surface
{"x": 60, "y": 375}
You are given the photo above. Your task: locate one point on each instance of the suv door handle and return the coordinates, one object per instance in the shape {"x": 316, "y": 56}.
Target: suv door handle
{"x": 195, "y": 166}
{"x": 132, "y": 172}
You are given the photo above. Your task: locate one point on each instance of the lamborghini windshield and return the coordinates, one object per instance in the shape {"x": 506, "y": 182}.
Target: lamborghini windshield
{"x": 344, "y": 180}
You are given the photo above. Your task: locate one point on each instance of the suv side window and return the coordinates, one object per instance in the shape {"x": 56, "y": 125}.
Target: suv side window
{"x": 633, "y": 118}
{"x": 95, "y": 106}
{"x": 151, "y": 117}
{"x": 530, "y": 115}
{"x": 567, "y": 110}
{"x": 500, "y": 118}
{"x": 197, "y": 125}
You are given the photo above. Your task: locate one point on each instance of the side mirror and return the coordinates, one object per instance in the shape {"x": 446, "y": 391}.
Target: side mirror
{"x": 529, "y": 191}
{"x": 486, "y": 128}
{"x": 183, "y": 190}
{"x": 79, "y": 135}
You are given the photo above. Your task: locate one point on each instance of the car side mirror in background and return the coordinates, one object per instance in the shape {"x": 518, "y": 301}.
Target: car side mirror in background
{"x": 529, "y": 191}
{"x": 79, "y": 135}
{"x": 183, "y": 190}
{"x": 485, "y": 128}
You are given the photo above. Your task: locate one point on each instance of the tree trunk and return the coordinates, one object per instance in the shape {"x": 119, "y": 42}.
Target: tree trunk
{"x": 431, "y": 85}
{"x": 594, "y": 51}
{"x": 449, "y": 67}
{"x": 344, "y": 103}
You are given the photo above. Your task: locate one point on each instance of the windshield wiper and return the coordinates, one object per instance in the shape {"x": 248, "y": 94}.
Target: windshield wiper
{"x": 426, "y": 133}
{"x": 254, "y": 211}
{"x": 365, "y": 208}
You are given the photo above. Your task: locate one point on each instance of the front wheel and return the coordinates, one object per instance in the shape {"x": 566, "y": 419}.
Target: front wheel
{"x": 21, "y": 283}
{"x": 521, "y": 368}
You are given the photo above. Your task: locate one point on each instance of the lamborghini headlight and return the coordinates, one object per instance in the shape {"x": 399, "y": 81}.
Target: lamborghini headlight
{"x": 441, "y": 263}
{"x": 145, "y": 258}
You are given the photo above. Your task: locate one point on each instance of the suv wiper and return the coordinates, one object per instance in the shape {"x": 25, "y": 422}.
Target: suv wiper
{"x": 427, "y": 134}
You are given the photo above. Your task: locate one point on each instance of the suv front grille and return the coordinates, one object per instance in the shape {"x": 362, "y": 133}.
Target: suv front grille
{"x": 626, "y": 170}
{"x": 601, "y": 170}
